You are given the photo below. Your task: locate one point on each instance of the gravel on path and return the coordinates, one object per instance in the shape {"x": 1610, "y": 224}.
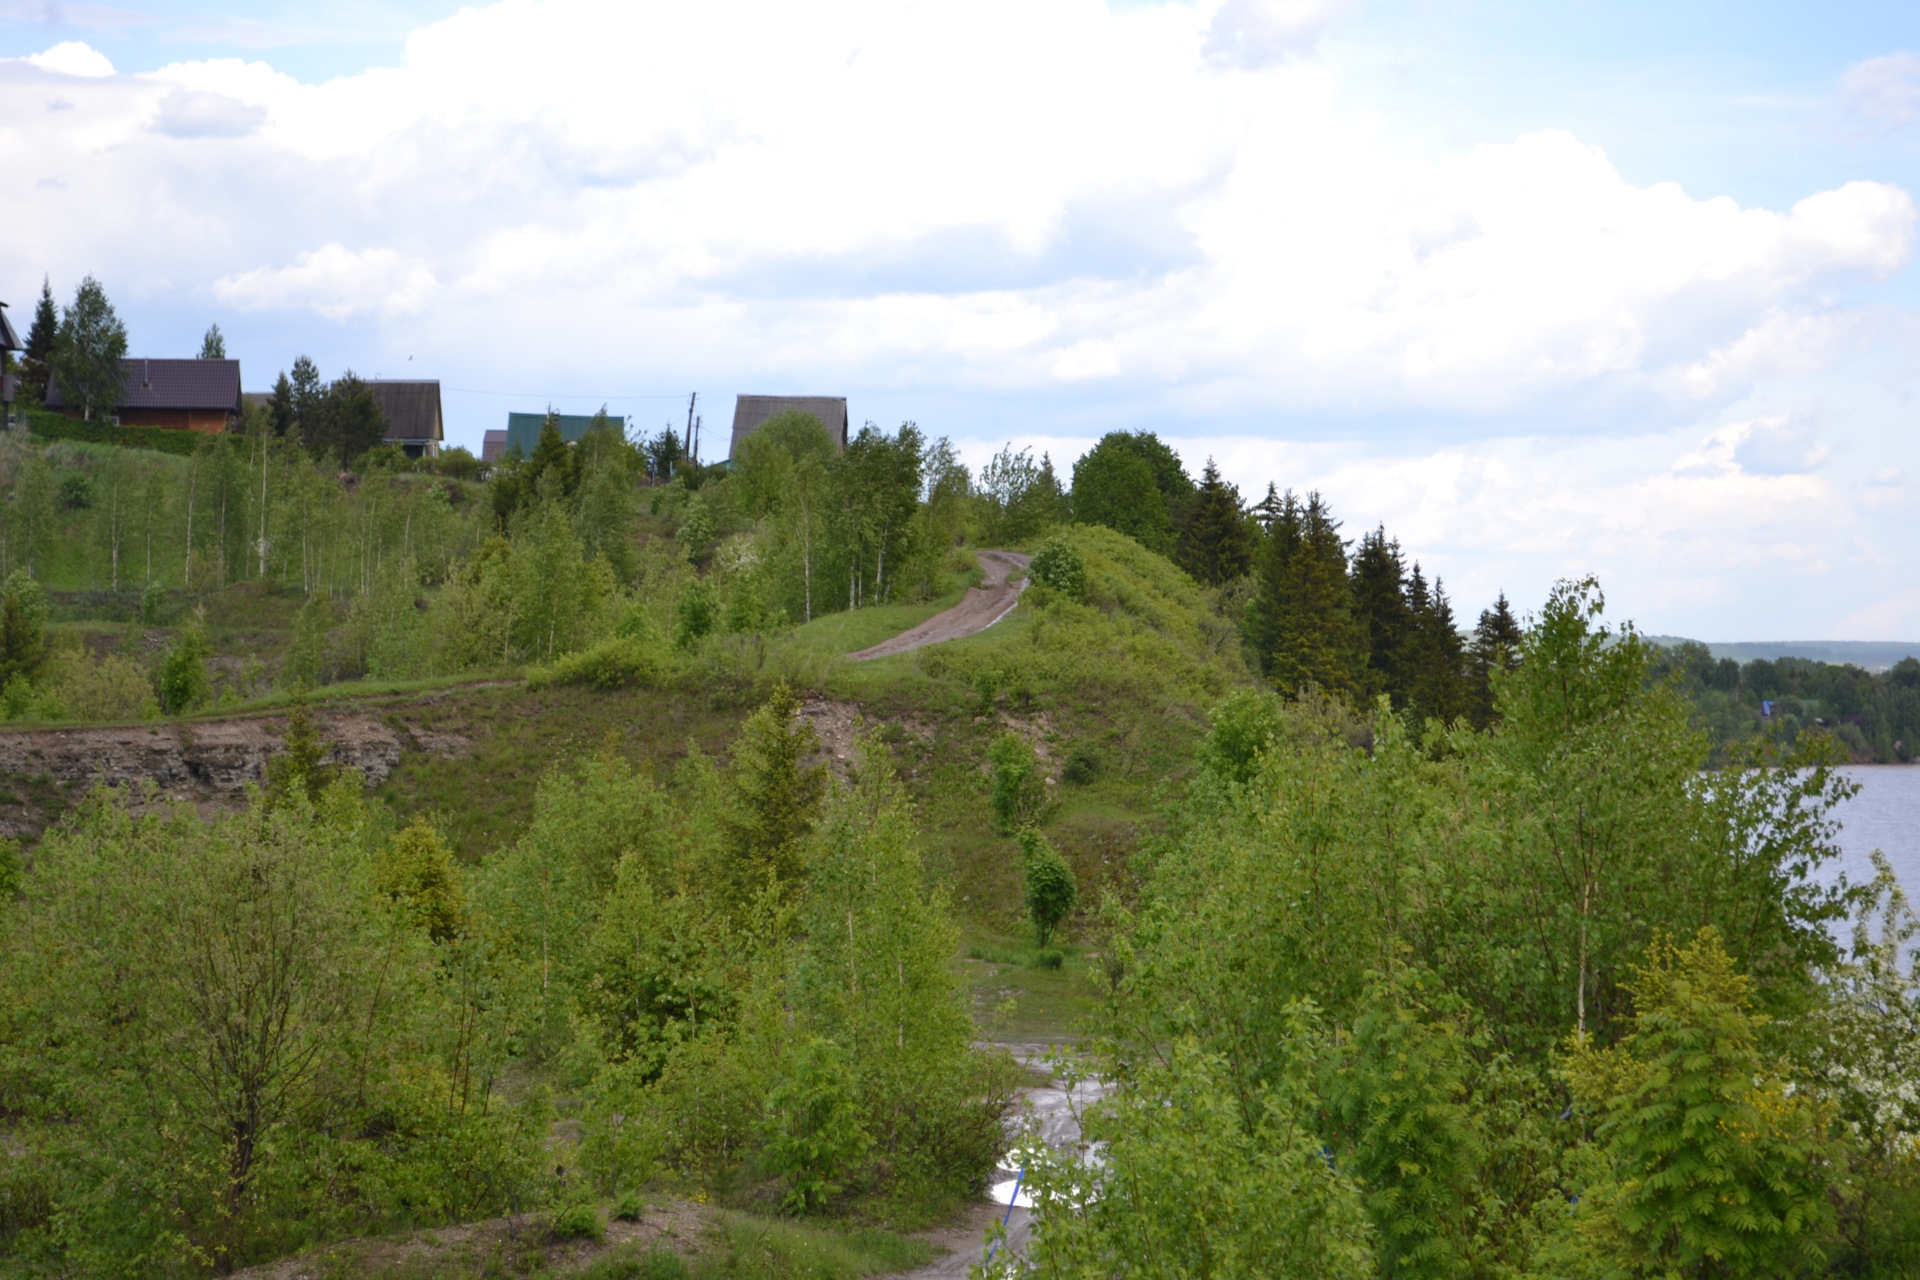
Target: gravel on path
{"x": 979, "y": 609}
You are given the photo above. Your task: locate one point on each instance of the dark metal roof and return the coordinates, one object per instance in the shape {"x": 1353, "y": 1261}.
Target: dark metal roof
{"x": 493, "y": 446}
{"x": 751, "y": 412}
{"x": 412, "y": 408}
{"x": 9, "y": 340}
{"x": 173, "y": 384}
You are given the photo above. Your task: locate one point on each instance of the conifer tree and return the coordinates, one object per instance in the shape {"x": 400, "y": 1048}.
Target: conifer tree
{"x": 1303, "y": 625}
{"x": 36, "y": 362}
{"x": 776, "y": 797}
{"x": 1496, "y": 644}
{"x": 280, "y": 406}
{"x": 214, "y": 345}
{"x": 306, "y": 393}
{"x": 1383, "y": 614}
{"x": 1434, "y": 667}
{"x": 1216, "y": 546}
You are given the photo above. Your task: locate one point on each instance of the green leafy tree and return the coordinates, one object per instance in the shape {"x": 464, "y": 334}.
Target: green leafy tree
{"x": 183, "y": 670}
{"x": 1018, "y": 784}
{"x": 1217, "y": 543}
{"x": 1058, "y": 567}
{"x": 1716, "y": 1165}
{"x": 1113, "y": 485}
{"x": 774, "y": 797}
{"x": 1051, "y": 894}
{"x": 213, "y": 346}
{"x": 88, "y": 350}
{"x": 347, "y": 420}
{"x": 697, "y": 615}
{"x": 23, "y": 628}
{"x": 813, "y": 1135}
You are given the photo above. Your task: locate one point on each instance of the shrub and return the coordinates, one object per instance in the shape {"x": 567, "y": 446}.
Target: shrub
{"x": 813, "y": 1133}
{"x": 629, "y": 1208}
{"x": 1019, "y": 786}
{"x": 655, "y": 1264}
{"x": 76, "y": 492}
{"x": 152, "y": 601}
{"x": 1058, "y": 567}
{"x": 577, "y": 1222}
{"x": 109, "y": 688}
{"x": 1051, "y": 893}
{"x": 697, "y": 616}
{"x": 618, "y": 663}
{"x": 183, "y": 672}
{"x": 1082, "y": 765}
{"x": 986, "y": 684}
{"x": 457, "y": 464}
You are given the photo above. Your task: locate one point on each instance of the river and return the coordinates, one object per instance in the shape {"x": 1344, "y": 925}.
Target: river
{"x": 1885, "y": 815}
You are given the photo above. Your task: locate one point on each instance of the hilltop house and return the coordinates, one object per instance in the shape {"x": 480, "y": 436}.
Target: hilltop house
{"x": 750, "y": 413}
{"x": 413, "y": 414}
{"x": 523, "y": 430}
{"x": 182, "y": 395}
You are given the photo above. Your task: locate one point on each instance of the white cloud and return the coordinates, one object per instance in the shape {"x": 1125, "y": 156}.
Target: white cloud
{"x": 1250, "y": 34}
{"x": 73, "y": 58}
{"x": 190, "y": 113}
{"x": 336, "y": 282}
{"x": 1883, "y": 91}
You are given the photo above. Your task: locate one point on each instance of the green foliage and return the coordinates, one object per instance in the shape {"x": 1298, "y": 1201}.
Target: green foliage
{"x": 217, "y": 1044}
{"x": 87, "y": 351}
{"x": 813, "y": 1134}
{"x": 1243, "y": 726}
{"x": 1082, "y": 765}
{"x": 1217, "y": 543}
{"x": 619, "y": 662}
{"x": 183, "y": 670}
{"x": 23, "y": 628}
{"x": 458, "y": 462}
{"x": 346, "y": 422}
{"x": 416, "y": 870}
{"x": 745, "y": 1248}
{"x": 1113, "y": 485}
{"x": 629, "y": 1207}
{"x": 775, "y": 797}
{"x": 76, "y": 492}
{"x": 1303, "y": 629}
{"x": 657, "y": 1263}
{"x": 1051, "y": 893}
{"x": 300, "y": 772}
{"x": 1196, "y": 1178}
{"x": 986, "y": 688}
{"x": 698, "y": 615}
{"x": 306, "y": 652}
{"x": 1058, "y": 567}
{"x": 579, "y": 1221}
{"x": 1018, "y": 784}
{"x": 56, "y": 426}
{"x": 213, "y": 346}
{"x": 1714, "y": 1162}
{"x": 77, "y": 686}
{"x": 1018, "y": 499}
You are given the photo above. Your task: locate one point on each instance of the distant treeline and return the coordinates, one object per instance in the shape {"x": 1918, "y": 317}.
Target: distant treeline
{"x": 1875, "y": 715}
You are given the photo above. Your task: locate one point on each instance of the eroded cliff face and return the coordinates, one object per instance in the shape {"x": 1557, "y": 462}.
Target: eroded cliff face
{"x": 203, "y": 761}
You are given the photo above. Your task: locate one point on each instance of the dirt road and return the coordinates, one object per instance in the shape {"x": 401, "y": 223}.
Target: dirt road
{"x": 979, "y": 609}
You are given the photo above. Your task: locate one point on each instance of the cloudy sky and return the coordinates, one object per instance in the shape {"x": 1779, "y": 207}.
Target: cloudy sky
{"x": 1547, "y": 287}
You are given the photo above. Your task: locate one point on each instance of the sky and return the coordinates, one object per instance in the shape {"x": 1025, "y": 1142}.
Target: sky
{"x": 1547, "y": 288}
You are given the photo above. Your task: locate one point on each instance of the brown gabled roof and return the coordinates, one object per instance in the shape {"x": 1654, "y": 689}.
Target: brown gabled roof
{"x": 412, "y": 408}
{"x": 751, "y": 412}
{"x": 493, "y": 446}
{"x": 172, "y": 384}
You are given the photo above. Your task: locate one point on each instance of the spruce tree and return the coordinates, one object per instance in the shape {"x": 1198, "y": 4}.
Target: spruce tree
{"x": 1496, "y": 645}
{"x": 306, "y": 393}
{"x": 775, "y": 796}
{"x": 36, "y": 362}
{"x": 280, "y": 406}
{"x": 1303, "y": 624}
{"x": 1435, "y": 664}
{"x": 1216, "y": 546}
{"x": 1382, "y": 613}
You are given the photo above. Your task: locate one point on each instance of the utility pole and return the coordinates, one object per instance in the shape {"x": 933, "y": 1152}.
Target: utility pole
{"x": 697, "y": 424}
{"x": 687, "y": 449}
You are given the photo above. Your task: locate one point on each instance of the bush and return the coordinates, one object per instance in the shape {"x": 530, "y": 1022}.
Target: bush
{"x": 655, "y": 1264}
{"x": 986, "y": 684}
{"x": 76, "y": 492}
{"x": 577, "y": 1222}
{"x": 1082, "y": 766}
{"x": 1019, "y": 786}
{"x": 1058, "y": 567}
{"x": 620, "y": 663}
{"x": 1051, "y": 893}
{"x": 629, "y": 1208}
{"x": 55, "y": 426}
{"x": 108, "y": 688}
{"x": 813, "y": 1134}
{"x": 457, "y": 464}
{"x": 183, "y": 672}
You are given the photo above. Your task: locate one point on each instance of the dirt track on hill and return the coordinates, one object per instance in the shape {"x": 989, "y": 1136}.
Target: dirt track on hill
{"x": 979, "y": 609}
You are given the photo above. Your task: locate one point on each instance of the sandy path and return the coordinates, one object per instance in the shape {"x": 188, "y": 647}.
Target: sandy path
{"x": 979, "y": 609}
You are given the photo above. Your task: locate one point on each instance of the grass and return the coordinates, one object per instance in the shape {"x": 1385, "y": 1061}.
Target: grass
{"x": 1017, "y": 996}
{"x": 726, "y": 1246}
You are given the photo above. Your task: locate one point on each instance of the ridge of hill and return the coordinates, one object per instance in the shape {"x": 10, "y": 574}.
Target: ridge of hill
{"x": 1872, "y": 655}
